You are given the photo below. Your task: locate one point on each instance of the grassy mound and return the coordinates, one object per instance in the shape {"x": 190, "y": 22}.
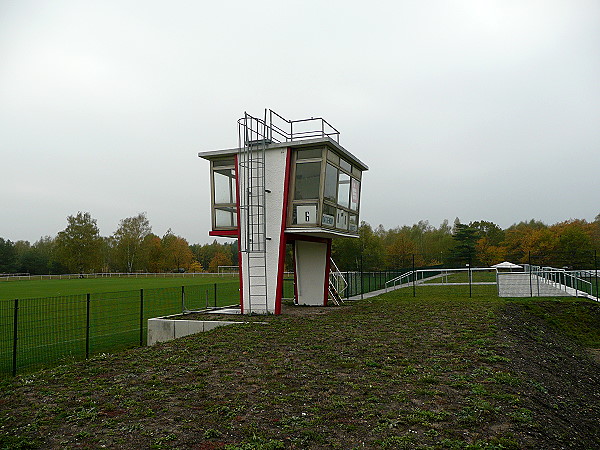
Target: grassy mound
{"x": 391, "y": 372}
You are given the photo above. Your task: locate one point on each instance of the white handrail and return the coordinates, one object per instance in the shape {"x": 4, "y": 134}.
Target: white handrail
{"x": 336, "y": 277}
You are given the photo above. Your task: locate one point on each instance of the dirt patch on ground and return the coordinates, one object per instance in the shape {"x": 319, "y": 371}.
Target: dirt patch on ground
{"x": 595, "y": 353}
{"x": 561, "y": 377}
{"x": 287, "y": 310}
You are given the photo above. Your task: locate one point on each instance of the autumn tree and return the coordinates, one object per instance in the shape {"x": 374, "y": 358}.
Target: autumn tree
{"x": 128, "y": 242}
{"x": 219, "y": 259}
{"x": 176, "y": 252}
{"x": 401, "y": 250}
{"x": 196, "y": 267}
{"x": 79, "y": 245}
{"x": 152, "y": 254}
{"x": 205, "y": 253}
{"x": 574, "y": 243}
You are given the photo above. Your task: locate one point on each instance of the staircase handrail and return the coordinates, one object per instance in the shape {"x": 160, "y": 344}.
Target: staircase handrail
{"x": 336, "y": 276}
{"x": 398, "y": 278}
{"x": 552, "y": 274}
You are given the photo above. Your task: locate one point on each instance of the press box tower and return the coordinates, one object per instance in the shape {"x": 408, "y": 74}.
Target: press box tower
{"x": 288, "y": 181}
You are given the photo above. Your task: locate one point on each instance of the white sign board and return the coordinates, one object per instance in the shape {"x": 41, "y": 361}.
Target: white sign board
{"x": 342, "y": 219}
{"x": 306, "y": 214}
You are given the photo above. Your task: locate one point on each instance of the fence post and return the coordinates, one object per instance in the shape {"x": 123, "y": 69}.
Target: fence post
{"x": 215, "y": 295}
{"x": 182, "y": 299}
{"x": 141, "y": 317}
{"x": 87, "y": 326}
{"x": 596, "y": 270}
{"x": 414, "y": 276}
{"x": 362, "y": 287}
{"x": 530, "y": 275}
{"x": 470, "y": 279}
{"x": 15, "y": 332}
{"x": 348, "y": 286}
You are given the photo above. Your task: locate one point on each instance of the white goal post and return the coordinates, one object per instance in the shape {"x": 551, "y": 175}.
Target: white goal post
{"x": 228, "y": 269}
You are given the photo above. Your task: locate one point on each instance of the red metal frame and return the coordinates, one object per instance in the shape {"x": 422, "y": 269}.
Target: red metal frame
{"x": 224, "y": 233}
{"x": 237, "y": 200}
{"x": 282, "y": 235}
{"x": 327, "y": 270}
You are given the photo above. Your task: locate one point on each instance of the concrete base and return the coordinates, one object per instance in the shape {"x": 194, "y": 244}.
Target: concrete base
{"x": 164, "y": 329}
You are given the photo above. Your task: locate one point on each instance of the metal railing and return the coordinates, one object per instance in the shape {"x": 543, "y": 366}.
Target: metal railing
{"x": 568, "y": 281}
{"x": 279, "y": 129}
{"x": 420, "y": 276}
{"x": 336, "y": 279}
{"x": 72, "y": 276}
{"x": 38, "y": 332}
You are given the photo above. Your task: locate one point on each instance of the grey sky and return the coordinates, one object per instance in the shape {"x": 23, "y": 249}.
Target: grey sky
{"x": 485, "y": 110}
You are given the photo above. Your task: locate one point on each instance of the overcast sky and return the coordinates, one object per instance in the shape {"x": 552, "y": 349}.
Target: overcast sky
{"x": 485, "y": 110}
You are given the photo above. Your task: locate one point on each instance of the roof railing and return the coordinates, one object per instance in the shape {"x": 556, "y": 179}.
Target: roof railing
{"x": 279, "y": 129}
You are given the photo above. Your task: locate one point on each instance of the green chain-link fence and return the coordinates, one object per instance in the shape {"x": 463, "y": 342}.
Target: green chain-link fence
{"x": 36, "y": 332}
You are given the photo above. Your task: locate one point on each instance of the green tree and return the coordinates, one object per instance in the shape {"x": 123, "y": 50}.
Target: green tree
{"x": 8, "y": 256}
{"x": 575, "y": 244}
{"x": 401, "y": 249}
{"x": 465, "y": 238}
{"x": 128, "y": 242}
{"x": 79, "y": 245}
{"x": 40, "y": 258}
{"x": 205, "y": 253}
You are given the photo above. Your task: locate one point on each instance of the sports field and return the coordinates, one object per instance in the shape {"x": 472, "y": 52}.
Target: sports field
{"x": 10, "y": 290}
{"x": 58, "y": 320}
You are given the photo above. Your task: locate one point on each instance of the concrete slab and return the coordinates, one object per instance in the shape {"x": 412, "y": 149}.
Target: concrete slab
{"x": 160, "y": 330}
{"x": 163, "y": 329}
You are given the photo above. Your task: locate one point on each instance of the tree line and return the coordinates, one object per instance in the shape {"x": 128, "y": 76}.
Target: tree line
{"x": 568, "y": 244}
{"x": 133, "y": 247}
{"x": 80, "y": 248}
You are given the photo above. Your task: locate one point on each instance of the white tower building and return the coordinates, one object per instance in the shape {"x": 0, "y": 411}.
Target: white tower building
{"x": 288, "y": 182}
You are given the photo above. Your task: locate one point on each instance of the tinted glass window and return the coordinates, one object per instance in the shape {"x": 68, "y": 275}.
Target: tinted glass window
{"x": 225, "y": 217}
{"x": 223, "y": 162}
{"x": 224, "y": 181}
{"x": 308, "y": 176}
{"x": 343, "y": 198}
{"x": 354, "y": 194}
{"x": 331, "y": 180}
{"x": 345, "y": 165}
{"x": 333, "y": 157}
{"x": 309, "y": 153}
{"x": 328, "y": 218}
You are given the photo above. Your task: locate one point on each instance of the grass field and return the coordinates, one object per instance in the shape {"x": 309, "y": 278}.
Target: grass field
{"x": 434, "y": 372}
{"x": 51, "y": 288}
{"x": 56, "y": 321}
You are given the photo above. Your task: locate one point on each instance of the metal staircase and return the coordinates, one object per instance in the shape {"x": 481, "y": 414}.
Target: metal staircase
{"x": 337, "y": 284}
{"x": 253, "y": 140}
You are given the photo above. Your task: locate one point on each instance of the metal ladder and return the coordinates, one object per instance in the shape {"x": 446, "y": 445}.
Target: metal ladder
{"x": 252, "y": 144}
